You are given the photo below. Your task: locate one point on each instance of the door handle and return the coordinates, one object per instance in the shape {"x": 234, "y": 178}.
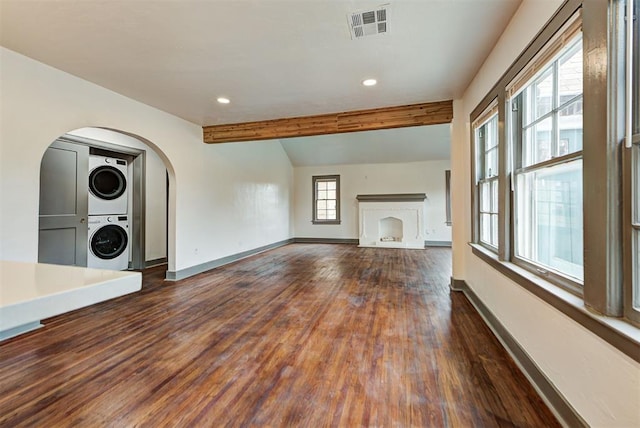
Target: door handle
{"x": 82, "y": 220}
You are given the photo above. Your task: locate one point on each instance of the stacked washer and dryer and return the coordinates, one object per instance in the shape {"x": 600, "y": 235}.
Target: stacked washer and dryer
{"x": 108, "y": 246}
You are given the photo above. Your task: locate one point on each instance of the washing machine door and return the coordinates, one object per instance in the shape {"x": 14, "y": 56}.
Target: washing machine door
{"x": 109, "y": 242}
{"x": 107, "y": 182}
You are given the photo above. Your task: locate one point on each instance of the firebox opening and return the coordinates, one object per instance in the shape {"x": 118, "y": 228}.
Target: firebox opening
{"x": 390, "y": 229}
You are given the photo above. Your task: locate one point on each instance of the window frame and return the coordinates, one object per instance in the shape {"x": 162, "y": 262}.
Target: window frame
{"x": 630, "y": 189}
{"x": 314, "y": 195}
{"x": 631, "y": 270}
{"x": 519, "y": 106}
{"x": 479, "y": 126}
{"x": 600, "y": 309}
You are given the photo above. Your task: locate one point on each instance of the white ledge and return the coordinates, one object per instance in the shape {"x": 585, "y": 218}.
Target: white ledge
{"x": 615, "y": 331}
{"x": 30, "y": 292}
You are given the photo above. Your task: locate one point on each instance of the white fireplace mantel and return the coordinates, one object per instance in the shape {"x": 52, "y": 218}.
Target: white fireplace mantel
{"x": 392, "y": 220}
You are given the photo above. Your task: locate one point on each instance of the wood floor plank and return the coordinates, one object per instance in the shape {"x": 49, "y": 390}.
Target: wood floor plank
{"x": 303, "y": 335}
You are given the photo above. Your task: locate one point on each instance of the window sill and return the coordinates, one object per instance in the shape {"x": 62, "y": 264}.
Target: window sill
{"x": 617, "y": 332}
{"x": 326, "y": 222}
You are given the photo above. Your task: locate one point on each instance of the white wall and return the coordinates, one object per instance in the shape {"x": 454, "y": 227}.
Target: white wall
{"x": 214, "y": 193}
{"x": 600, "y": 382}
{"x": 156, "y": 207}
{"x": 413, "y": 177}
{"x": 155, "y": 186}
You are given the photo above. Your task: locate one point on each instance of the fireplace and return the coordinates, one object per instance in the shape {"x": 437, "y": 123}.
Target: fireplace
{"x": 392, "y": 221}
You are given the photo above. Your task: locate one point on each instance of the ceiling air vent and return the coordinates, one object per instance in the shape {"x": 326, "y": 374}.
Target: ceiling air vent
{"x": 369, "y": 22}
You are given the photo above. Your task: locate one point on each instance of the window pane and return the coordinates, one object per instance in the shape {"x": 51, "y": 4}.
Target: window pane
{"x": 636, "y": 184}
{"x": 491, "y": 163}
{"x": 487, "y": 148}
{"x": 331, "y": 194}
{"x": 485, "y": 197}
{"x": 570, "y": 128}
{"x": 322, "y": 194}
{"x": 636, "y": 270}
{"x": 322, "y": 214}
{"x": 537, "y": 143}
{"x": 331, "y": 204}
{"x": 524, "y": 203}
{"x": 331, "y": 214}
{"x": 549, "y": 218}
{"x": 322, "y": 185}
{"x": 540, "y": 97}
{"x": 480, "y": 153}
{"x": 494, "y": 196}
{"x": 321, "y": 205}
{"x": 485, "y": 228}
{"x": 570, "y": 74}
{"x": 492, "y": 133}
{"x": 494, "y": 229}
{"x": 331, "y": 185}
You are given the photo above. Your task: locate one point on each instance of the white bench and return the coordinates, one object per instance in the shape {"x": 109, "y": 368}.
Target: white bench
{"x": 30, "y": 292}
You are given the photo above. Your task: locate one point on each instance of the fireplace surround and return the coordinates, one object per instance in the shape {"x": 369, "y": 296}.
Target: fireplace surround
{"x": 392, "y": 220}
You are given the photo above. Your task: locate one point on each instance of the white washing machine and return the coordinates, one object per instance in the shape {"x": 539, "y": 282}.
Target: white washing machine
{"x": 107, "y": 185}
{"x": 108, "y": 246}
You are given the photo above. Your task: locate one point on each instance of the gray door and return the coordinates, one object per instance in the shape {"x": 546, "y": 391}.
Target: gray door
{"x": 64, "y": 174}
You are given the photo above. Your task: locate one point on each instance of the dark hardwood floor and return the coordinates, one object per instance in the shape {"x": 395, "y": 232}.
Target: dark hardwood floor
{"x": 304, "y": 335}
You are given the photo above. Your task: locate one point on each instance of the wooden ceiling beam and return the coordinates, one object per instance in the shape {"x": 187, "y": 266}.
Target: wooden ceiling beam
{"x": 361, "y": 120}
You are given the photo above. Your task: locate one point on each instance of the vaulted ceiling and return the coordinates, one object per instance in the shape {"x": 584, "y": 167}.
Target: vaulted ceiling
{"x": 271, "y": 58}
{"x": 417, "y": 143}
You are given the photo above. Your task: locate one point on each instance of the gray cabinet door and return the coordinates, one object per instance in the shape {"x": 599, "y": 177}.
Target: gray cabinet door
{"x": 64, "y": 174}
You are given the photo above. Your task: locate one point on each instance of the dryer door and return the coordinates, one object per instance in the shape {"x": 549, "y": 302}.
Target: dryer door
{"x": 109, "y": 242}
{"x": 106, "y": 182}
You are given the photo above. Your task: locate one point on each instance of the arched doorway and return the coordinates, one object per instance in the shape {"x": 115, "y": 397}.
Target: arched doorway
{"x": 91, "y": 178}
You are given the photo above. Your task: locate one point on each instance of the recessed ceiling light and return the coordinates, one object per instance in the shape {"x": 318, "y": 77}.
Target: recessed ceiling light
{"x": 223, "y": 100}
{"x": 369, "y": 82}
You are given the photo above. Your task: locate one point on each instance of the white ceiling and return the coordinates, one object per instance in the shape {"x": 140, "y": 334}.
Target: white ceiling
{"x": 272, "y": 58}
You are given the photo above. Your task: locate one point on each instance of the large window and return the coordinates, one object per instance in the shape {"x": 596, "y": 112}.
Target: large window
{"x": 548, "y": 164}
{"x": 632, "y": 178}
{"x": 326, "y": 199}
{"x": 486, "y": 167}
{"x": 635, "y": 226}
{"x": 567, "y": 198}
